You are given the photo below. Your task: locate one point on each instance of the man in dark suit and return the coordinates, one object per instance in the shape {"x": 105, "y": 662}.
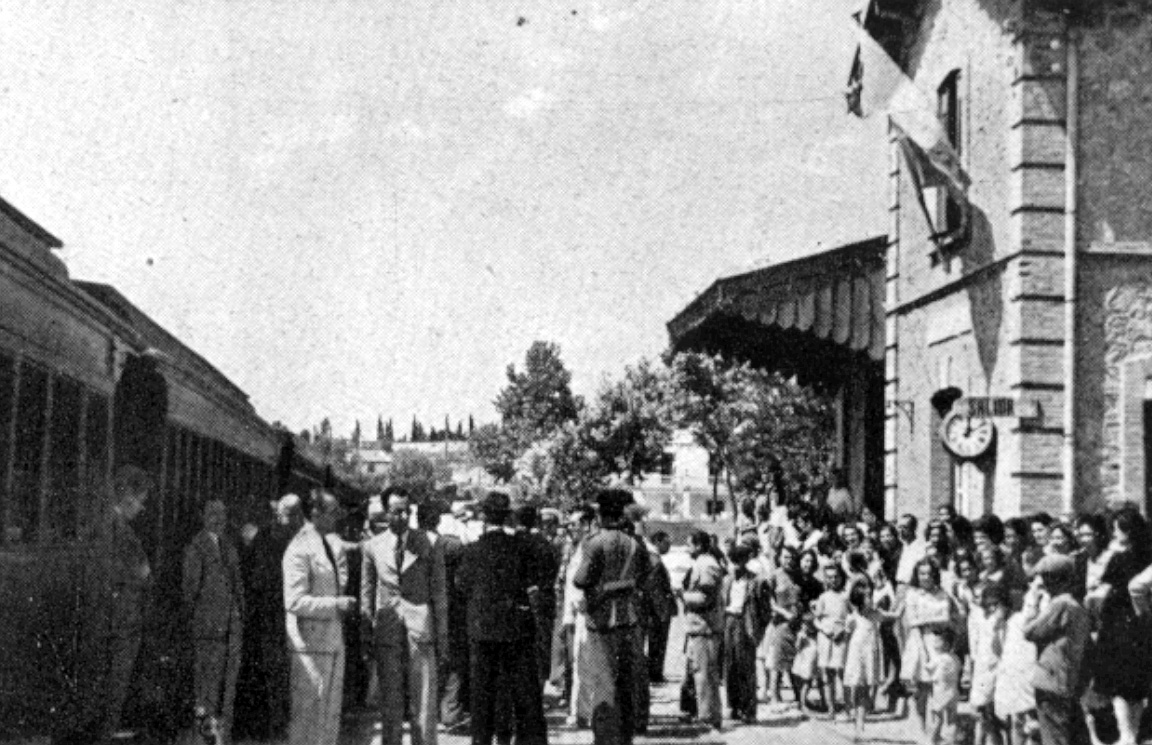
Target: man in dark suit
{"x": 612, "y": 574}
{"x": 116, "y": 585}
{"x": 660, "y": 606}
{"x": 214, "y": 595}
{"x": 404, "y": 601}
{"x": 496, "y": 579}
{"x": 544, "y": 567}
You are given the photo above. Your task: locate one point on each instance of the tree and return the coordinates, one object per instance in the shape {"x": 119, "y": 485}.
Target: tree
{"x": 749, "y": 420}
{"x": 356, "y": 435}
{"x": 380, "y": 429}
{"x": 460, "y": 431}
{"x": 537, "y": 401}
{"x": 628, "y": 424}
{"x": 494, "y": 451}
{"x": 417, "y": 431}
{"x": 389, "y": 437}
{"x": 415, "y": 472}
{"x": 471, "y": 425}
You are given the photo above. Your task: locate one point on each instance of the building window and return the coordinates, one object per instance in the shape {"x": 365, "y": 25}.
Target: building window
{"x": 949, "y": 212}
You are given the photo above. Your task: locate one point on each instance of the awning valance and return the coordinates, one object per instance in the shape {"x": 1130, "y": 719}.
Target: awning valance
{"x": 833, "y": 301}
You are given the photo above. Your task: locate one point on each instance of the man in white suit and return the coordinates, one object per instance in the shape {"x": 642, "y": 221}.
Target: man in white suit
{"x": 314, "y": 575}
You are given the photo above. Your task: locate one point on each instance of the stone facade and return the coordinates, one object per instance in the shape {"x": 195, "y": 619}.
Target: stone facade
{"x": 988, "y": 318}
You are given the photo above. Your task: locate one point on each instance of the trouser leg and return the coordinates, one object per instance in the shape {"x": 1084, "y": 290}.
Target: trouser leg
{"x": 422, "y": 691}
{"x": 392, "y": 678}
{"x": 657, "y": 648}
{"x": 483, "y": 657}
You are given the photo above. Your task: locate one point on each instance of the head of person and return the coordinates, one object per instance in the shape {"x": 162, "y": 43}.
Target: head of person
{"x": 527, "y": 517}
{"x": 839, "y": 478}
{"x": 130, "y": 488}
{"x": 661, "y": 542}
{"x": 857, "y": 562}
{"x": 215, "y": 516}
{"x": 927, "y": 575}
{"x": 739, "y": 556}
{"x": 398, "y": 507}
{"x": 1129, "y": 530}
{"x": 889, "y": 538}
{"x": 699, "y": 543}
{"x": 960, "y": 532}
{"x": 1017, "y": 536}
{"x": 966, "y": 568}
{"x": 1039, "y": 525}
{"x": 987, "y": 529}
{"x": 991, "y": 558}
{"x": 1061, "y": 539}
{"x": 495, "y": 508}
{"x": 788, "y": 559}
{"x": 1092, "y": 533}
{"x": 290, "y": 512}
{"x": 945, "y": 513}
{"x": 834, "y": 577}
{"x": 809, "y": 562}
{"x": 803, "y": 521}
{"x": 428, "y": 514}
{"x": 993, "y": 596}
{"x": 549, "y": 524}
{"x": 325, "y": 511}
{"x": 906, "y": 528}
{"x": 1058, "y": 573}
{"x": 610, "y": 505}
{"x": 943, "y": 641}
{"x": 861, "y": 596}
{"x": 580, "y": 522}
{"x": 852, "y": 537}
{"x": 377, "y": 515}
{"x": 939, "y": 539}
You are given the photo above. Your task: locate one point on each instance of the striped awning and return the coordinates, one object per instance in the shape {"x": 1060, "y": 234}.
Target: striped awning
{"x": 836, "y": 298}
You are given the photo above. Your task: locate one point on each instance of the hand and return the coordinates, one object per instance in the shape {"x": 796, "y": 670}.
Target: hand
{"x": 345, "y": 605}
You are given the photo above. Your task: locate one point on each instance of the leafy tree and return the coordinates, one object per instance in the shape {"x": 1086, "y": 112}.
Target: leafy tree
{"x": 415, "y": 472}
{"x": 494, "y": 451}
{"x": 537, "y": 401}
{"x": 627, "y": 425}
{"x": 749, "y": 420}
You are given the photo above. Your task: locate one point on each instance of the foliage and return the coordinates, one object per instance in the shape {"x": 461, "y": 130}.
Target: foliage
{"x": 538, "y": 401}
{"x": 494, "y": 451}
{"x": 415, "y": 472}
{"x": 560, "y": 471}
{"x": 750, "y": 421}
{"x": 627, "y": 426}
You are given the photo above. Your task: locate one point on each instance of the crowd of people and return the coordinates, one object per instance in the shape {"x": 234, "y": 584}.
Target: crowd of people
{"x": 457, "y": 617}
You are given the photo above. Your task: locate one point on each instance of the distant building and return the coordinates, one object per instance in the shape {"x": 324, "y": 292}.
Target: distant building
{"x": 682, "y": 488}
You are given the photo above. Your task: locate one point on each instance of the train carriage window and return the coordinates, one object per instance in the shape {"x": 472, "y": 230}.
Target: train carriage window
{"x": 7, "y": 391}
{"x": 27, "y": 465}
{"x": 63, "y": 460}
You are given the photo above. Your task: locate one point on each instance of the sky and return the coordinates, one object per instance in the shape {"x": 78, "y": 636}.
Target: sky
{"x": 364, "y": 207}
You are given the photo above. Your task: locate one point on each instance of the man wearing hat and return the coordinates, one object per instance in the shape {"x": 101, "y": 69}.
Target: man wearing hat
{"x": 611, "y": 573}
{"x": 496, "y": 580}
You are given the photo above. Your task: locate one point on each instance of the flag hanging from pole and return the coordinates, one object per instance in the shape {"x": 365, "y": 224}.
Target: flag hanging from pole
{"x": 878, "y": 85}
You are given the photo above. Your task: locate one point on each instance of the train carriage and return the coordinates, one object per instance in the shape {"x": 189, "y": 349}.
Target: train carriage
{"x": 89, "y": 382}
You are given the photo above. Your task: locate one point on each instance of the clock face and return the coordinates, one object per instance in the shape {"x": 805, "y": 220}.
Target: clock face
{"x": 967, "y": 436}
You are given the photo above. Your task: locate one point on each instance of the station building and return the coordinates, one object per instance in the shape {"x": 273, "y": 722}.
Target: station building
{"x": 1003, "y": 362}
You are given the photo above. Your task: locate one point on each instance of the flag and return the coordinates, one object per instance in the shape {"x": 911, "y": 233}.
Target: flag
{"x": 878, "y": 85}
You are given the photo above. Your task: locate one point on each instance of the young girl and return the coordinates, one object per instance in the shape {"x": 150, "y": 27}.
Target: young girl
{"x": 806, "y": 663}
{"x": 986, "y": 628}
{"x": 1015, "y": 698}
{"x": 831, "y": 616}
{"x": 944, "y": 669}
{"x": 864, "y": 665}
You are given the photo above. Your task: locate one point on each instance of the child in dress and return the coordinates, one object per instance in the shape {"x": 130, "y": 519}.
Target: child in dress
{"x": 864, "y": 666}
{"x": 805, "y": 665}
{"x": 944, "y": 669}
{"x": 1015, "y": 698}
{"x": 986, "y": 628}
{"x": 831, "y": 617}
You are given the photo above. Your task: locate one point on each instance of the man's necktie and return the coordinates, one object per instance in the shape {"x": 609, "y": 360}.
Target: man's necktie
{"x": 332, "y": 560}
{"x": 400, "y": 552}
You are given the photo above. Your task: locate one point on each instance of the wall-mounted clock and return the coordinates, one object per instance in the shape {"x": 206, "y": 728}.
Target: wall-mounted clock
{"x": 967, "y": 436}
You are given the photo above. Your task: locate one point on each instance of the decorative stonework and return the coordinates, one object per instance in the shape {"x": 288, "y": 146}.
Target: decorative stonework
{"x": 1127, "y": 322}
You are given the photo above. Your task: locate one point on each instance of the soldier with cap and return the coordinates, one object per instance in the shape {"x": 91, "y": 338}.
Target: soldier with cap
{"x": 496, "y": 579}
{"x": 611, "y": 574}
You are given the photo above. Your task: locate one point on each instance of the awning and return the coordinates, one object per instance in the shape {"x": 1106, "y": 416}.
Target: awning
{"x": 806, "y": 316}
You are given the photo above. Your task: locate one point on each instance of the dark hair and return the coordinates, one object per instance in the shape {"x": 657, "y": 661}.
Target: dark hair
{"x": 996, "y": 552}
{"x": 658, "y": 536}
{"x": 701, "y": 540}
{"x": 1019, "y": 526}
{"x": 913, "y": 522}
{"x": 857, "y": 561}
{"x": 739, "y": 554}
{"x": 527, "y": 515}
{"x": 611, "y": 503}
{"x": 840, "y": 575}
{"x": 428, "y": 514}
{"x": 991, "y": 526}
{"x": 1062, "y": 528}
{"x": 1097, "y": 523}
{"x": 1041, "y": 517}
{"x": 859, "y": 591}
{"x": 935, "y": 570}
{"x": 394, "y": 491}
{"x": 961, "y": 531}
{"x": 815, "y": 559}
{"x": 585, "y": 513}
{"x": 1129, "y": 520}
{"x": 997, "y": 591}
{"x": 316, "y": 498}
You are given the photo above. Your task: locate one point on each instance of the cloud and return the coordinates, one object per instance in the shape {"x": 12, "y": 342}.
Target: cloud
{"x": 529, "y": 103}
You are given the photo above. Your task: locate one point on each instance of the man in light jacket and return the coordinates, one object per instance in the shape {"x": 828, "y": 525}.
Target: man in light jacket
{"x": 315, "y": 571}
{"x": 404, "y": 605}
{"x": 214, "y": 594}
{"x": 704, "y": 628}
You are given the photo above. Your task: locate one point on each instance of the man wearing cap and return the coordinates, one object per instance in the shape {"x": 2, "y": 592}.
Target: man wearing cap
{"x": 496, "y": 579}
{"x": 404, "y": 605}
{"x": 611, "y": 573}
